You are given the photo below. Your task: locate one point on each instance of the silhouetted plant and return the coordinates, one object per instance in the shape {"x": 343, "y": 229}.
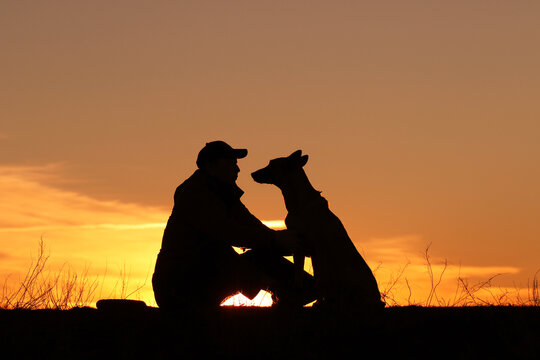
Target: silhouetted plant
{"x": 466, "y": 294}
{"x": 387, "y": 293}
{"x": 534, "y": 291}
{"x": 42, "y": 288}
{"x": 434, "y": 285}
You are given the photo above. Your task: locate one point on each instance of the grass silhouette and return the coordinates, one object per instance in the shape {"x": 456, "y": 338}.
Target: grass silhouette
{"x": 466, "y": 294}
{"x": 42, "y": 288}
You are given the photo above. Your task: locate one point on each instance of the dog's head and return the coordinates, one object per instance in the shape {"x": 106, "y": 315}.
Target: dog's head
{"x": 278, "y": 169}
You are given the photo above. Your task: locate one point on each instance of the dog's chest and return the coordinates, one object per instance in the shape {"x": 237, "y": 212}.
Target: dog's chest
{"x": 295, "y": 223}
{"x": 310, "y": 218}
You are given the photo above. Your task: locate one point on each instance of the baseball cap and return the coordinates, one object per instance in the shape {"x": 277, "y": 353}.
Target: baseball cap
{"x": 218, "y": 149}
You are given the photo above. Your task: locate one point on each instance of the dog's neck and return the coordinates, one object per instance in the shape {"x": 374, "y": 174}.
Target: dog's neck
{"x": 298, "y": 191}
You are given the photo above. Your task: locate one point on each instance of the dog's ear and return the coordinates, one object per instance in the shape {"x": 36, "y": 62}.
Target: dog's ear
{"x": 298, "y": 159}
{"x": 296, "y": 154}
{"x": 303, "y": 160}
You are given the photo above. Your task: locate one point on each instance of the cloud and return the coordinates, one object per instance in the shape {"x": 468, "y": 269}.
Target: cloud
{"x": 395, "y": 248}
{"x": 32, "y": 172}
{"x": 413, "y": 249}
{"x": 27, "y": 202}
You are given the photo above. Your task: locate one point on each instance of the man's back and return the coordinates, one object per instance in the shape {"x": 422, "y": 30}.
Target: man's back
{"x": 208, "y": 218}
{"x": 197, "y": 201}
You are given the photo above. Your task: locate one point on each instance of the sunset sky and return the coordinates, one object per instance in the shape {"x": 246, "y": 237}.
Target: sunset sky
{"x": 421, "y": 120}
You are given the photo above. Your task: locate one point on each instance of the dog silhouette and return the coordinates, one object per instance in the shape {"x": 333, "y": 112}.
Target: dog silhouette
{"x": 342, "y": 277}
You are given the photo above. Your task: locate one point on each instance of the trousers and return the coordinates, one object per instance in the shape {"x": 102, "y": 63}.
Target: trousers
{"x": 207, "y": 284}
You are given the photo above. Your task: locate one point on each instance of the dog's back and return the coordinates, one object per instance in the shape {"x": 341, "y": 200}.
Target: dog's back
{"x": 342, "y": 276}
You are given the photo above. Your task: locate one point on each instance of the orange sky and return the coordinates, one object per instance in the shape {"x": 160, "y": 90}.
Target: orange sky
{"x": 421, "y": 120}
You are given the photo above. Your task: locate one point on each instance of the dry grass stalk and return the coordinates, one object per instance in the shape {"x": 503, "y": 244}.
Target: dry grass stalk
{"x": 534, "y": 291}
{"x": 387, "y": 294}
{"x": 64, "y": 289}
{"x": 433, "y": 290}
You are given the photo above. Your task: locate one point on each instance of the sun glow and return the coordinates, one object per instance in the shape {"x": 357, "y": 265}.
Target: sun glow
{"x": 275, "y": 224}
{"x": 263, "y": 299}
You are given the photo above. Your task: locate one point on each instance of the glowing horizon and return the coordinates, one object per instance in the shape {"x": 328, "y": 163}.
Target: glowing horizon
{"x": 138, "y": 240}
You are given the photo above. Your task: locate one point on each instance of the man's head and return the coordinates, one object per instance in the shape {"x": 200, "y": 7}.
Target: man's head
{"x": 219, "y": 159}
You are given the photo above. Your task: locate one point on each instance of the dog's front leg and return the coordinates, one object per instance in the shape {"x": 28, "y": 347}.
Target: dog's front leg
{"x": 298, "y": 259}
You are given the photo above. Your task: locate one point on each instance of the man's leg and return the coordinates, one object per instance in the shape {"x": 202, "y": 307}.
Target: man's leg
{"x": 271, "y": 271}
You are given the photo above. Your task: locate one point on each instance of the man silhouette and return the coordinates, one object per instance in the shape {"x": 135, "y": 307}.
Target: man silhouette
{"x": 197, "y": 266}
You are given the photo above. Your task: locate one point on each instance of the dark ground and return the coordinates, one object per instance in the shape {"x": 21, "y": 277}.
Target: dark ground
{"x": 251, "y": 333}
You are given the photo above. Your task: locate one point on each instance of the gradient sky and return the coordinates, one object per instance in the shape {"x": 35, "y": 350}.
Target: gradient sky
{"x": 421, "y": 120}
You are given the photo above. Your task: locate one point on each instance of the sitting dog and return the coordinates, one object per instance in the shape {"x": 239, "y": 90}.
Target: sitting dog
{"x": 342, "y": 277}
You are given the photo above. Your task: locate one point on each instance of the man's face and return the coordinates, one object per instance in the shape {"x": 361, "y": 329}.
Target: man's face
{"x": 225, "y": 169}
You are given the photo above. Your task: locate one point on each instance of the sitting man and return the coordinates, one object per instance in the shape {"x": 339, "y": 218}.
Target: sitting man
{"x": 197, "y": 266}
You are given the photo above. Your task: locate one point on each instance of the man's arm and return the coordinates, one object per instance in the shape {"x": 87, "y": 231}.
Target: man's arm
{"x": 209, "y": 216}
{"x": 284, "y": 241}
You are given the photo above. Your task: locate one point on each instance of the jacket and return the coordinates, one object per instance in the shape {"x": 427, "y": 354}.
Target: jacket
{"x": 207, "y": 219}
